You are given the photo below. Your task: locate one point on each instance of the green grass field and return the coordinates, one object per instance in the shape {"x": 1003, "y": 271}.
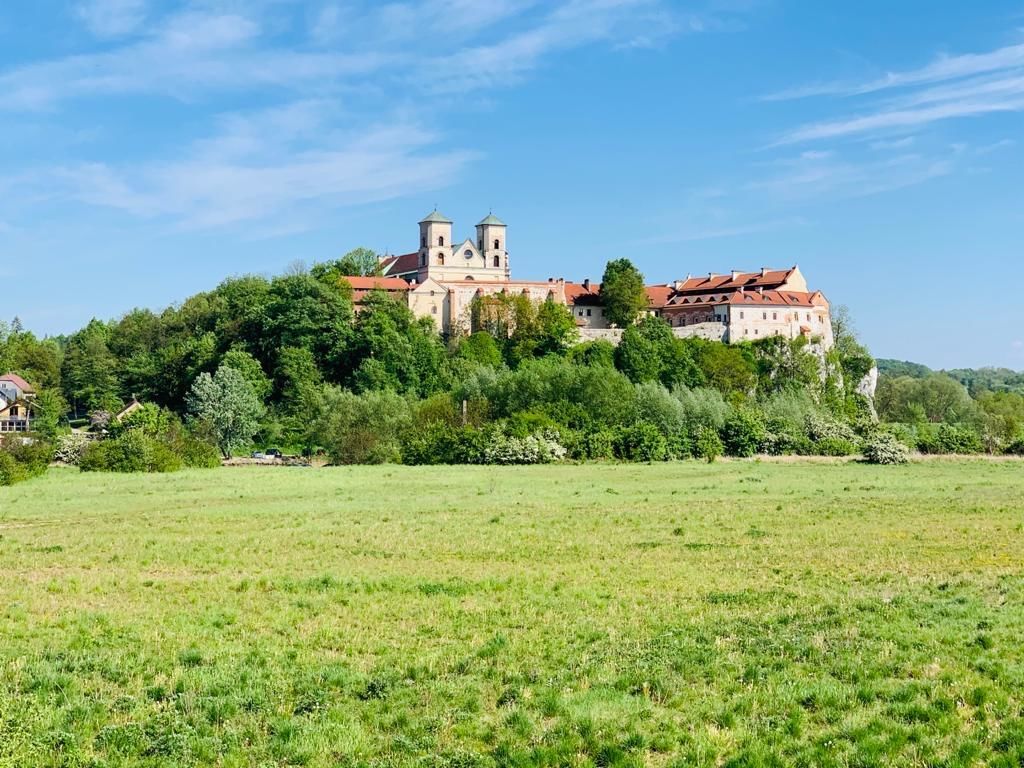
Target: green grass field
{"x": 739, "y": 614}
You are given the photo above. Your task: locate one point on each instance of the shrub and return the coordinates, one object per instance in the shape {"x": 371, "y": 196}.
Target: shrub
{"x": 708, "y": 445}
{"x": 363, "y": 429}
{"x": 948, "y": 438}
{"x": 885, "y": 448}
{"x": 443, "y": 443}
{"x": 21, "y": 460}
{"x": 600, "y": 444}
{"x": 69, "y": 448}
{"x": 541, "y": 448}
{"x": 834, "y": 446}
{"x": 702, "y": 408}
{"x": 743, "y": 433}
{"x": 11, "y": 471}
{"x": 133, "y": 451}
{"x": 822, "y": 428}
{"x": 642, "y": 441}
{"x": 1016, "y": 448}
{"x": 196, "y": 453}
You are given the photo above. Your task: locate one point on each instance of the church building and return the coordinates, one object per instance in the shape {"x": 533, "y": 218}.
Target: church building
{"x": 442, "y": 279}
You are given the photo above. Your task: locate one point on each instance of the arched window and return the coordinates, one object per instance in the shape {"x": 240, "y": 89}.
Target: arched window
{"x": 440, "y": 240}
{"x": 423, "y": 241}
{"x": 497, "y": 261}
{"x": 469, "y": 277}
{"x": 440, "y": 259}
{"x": 497, "y": 244}
{"x": 423, "y": 260}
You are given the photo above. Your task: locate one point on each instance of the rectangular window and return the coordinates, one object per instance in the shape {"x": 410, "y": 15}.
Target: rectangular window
{"x": 775, "y": 315}
{"x": 588, "y": 313}
{"x": 741, "y": 315}
{"x": 764, "y": 315}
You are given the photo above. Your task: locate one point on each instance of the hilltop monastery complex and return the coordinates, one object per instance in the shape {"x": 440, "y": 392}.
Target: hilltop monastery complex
{"x": 442, "y": 278}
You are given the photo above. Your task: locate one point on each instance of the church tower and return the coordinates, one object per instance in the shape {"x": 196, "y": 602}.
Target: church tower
{"x": 490, "y": 241}
{"x": 435, "y": 241}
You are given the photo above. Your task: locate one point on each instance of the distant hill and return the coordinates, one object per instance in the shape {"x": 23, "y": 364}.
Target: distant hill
{"x": 976, "y": 380}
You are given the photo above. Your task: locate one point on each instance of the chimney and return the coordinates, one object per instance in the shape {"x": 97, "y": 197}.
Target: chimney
{"x": 711, "y": 275}
{"x": 735, "y": 274}
{"x": 586, "y": 284}
{"x": 764, "y": 271}
{"x": 760, "y": 290}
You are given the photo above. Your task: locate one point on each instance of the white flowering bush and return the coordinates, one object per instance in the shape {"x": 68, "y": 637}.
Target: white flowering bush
{"x": 540, "y": 448}
{"x": 69, "y": 448}
{"x": 885, "y": 448}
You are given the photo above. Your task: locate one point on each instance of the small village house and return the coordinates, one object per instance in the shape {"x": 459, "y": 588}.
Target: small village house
{"x": 16, "y": 404}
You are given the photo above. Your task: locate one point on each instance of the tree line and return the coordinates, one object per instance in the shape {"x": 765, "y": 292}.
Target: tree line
{"x": 290, "y": 361}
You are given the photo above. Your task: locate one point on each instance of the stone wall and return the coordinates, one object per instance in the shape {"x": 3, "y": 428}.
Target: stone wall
{"x": 709, "y": 331}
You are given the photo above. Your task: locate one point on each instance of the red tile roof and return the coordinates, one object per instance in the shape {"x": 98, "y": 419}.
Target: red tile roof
{"x": 400, "y": 265}
{"x": 17, "y": 381}
{"x": 753, "y": 298}
{"x": 771, "y": 278}
{"x": 658, "y": 295}
{"x": 578, "y": 293}
{"x": 377, "y": 283}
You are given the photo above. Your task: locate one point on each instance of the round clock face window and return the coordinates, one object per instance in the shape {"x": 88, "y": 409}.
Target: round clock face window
{"x": 469, "y": 254}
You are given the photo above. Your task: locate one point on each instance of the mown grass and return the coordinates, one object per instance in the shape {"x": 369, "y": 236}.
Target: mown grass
{"x": 739, "y": 614}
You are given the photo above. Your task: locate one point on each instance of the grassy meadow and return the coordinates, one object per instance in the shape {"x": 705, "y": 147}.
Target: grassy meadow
{"x": 737, "y": 614}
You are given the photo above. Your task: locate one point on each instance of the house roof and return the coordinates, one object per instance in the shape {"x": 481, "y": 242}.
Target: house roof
{"x": 769, "y": 278}
{"x": 658, "y": 295}
{"x": 26, "y": 404}
{"x": 745, "y": 298}
{"x": 17, "y": 381}
{"x": 377, "y": 283}
{"x": 578, "y": 293}
{"x": 400, "y": 265}
{"x": 491, "y": 220}
{"x": 434, "y": 217}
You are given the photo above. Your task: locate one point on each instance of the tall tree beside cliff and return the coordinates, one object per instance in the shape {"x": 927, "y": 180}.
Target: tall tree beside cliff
{"x": 622, "y": 291}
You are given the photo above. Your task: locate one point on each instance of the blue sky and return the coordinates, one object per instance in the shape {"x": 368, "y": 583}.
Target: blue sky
{"x": 151, "y": 148}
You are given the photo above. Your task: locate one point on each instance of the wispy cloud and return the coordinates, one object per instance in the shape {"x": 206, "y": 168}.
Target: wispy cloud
{"x": 813, "y": 177}
{"x": 943, "y": 68}
{"x": 950, "y": 87}
{"x": 698, "y": 232}
{"x": 262, "y": 166}
{"x": 112, "y": 18}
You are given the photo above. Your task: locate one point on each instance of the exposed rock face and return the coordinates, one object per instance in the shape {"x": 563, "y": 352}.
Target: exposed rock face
{"x": 867, "y": 388}
{"x": 869, "y": 384}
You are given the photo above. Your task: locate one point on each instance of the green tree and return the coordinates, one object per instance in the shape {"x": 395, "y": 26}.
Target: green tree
{"x": 556, "y": 328}
{"x": 88, "y": 372}
{"x": 479, "y": 347}
{"x": 226, "y": 402}
{"x": 622, "y": 293}
{"x": 359, "y": 262}
{"x": 250, "y": 368}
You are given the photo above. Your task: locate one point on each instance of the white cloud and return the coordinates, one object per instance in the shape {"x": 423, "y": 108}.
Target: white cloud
{"x": 811, "y": 178}
{"x": 112, "y": 18}
{"x": 342, "y": 75}
{"x": 942, "y": 68}
{"x": 187, "y": 55}
{"x": 261, "y": 166}
{"x": 951, "y": 87}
